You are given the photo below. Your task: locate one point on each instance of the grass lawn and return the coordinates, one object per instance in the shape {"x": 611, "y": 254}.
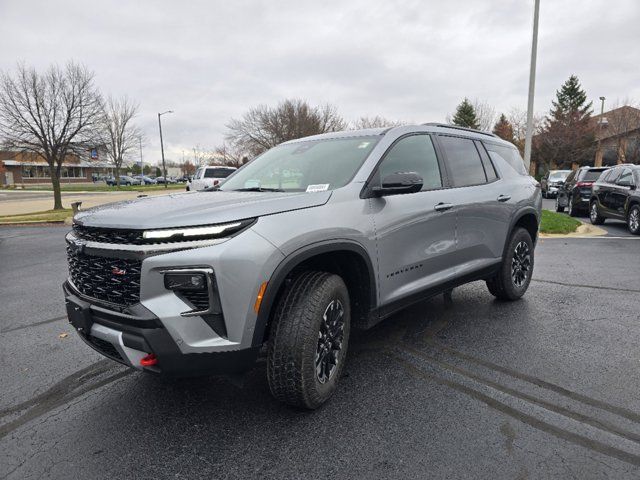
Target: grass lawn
{"x": 46, "y": 216}
{"x": 101, "y": 187}
{"x": 553, "y": 222}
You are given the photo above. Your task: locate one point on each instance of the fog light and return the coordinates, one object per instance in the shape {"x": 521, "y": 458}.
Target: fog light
{"x": 185, "y": 281}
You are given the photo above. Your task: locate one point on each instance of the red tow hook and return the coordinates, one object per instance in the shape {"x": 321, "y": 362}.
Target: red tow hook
{"x": 149, "y": 360}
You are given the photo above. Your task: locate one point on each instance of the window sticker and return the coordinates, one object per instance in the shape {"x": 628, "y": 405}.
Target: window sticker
{"x": 252, "y": 183}
{"x": 321, "y": 187}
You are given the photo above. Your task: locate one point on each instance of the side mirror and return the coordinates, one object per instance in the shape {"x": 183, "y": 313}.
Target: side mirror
{"x": 399, "y": 183}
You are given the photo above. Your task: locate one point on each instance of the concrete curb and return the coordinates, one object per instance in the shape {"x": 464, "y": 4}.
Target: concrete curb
{"x": 584, "y": 230}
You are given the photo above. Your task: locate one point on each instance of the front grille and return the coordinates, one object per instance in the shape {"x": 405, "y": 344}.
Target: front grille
{"x": 112, "y": 280}
{"x": 104, "y": 347}
{"x": 109, "y": 235}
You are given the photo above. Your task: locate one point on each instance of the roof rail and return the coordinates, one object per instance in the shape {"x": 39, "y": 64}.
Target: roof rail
{"x": 456, "y": 127}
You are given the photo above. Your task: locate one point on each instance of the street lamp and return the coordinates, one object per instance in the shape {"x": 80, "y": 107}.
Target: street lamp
{"x": 599, "y": 153}
{"x": 164, "y": 168}
{"x": 532, "y": 83}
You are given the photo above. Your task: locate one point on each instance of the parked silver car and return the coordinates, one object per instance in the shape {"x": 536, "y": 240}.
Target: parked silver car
{"x": 309, "y": 240}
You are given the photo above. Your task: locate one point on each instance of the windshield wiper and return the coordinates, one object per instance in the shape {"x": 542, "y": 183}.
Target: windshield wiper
{"x": 258, "y": 189}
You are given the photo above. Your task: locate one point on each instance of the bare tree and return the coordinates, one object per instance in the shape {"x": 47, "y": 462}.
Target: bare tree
{"x": 374, "y": 122}
{"x": 231, "y": 155}
{"x": 119, "y": 136}
{"x": 50, "y": 114}
{"x": 264, "y": 127}
{"x": 485, "y": 114}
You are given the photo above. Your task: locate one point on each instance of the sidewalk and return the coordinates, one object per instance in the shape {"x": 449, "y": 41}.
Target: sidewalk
{"x": 21, "y": 202}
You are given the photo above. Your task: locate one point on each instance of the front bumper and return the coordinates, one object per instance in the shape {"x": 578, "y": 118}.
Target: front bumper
{"x": 128, "y": 337}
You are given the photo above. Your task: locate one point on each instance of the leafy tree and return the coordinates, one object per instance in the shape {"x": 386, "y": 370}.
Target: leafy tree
{"x": 465, "y": 115}
{"x": 264, "y": 127}
{"x": 504, "y": 129}
{"x": 568, "y": 135}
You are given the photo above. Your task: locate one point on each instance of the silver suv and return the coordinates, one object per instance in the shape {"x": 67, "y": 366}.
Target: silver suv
{"x": 310, "y": 240}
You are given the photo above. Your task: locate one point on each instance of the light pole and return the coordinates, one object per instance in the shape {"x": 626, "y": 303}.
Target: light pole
{"x": 164, "y": 168}
{"x": 532, "y": 85}
{"x": 598, "y": 162}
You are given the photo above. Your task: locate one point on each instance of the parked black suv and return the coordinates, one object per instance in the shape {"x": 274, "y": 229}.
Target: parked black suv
{"x": 615, "y": 195}
{"x": 575, "y": 193}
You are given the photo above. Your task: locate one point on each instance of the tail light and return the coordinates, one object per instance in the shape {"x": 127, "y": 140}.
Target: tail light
{"x": 584, "y": 184}
{"x": 216, "y": 182}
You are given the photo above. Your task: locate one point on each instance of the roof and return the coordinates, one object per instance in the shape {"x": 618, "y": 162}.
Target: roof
{"x": 82, "y": 163}
{"x": 425, "y": 127}
{"x": 619, "y": 121}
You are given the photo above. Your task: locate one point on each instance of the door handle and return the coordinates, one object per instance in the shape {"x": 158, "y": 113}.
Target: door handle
{"x": 441, "y": 207}
{"x": 504, "y": 198}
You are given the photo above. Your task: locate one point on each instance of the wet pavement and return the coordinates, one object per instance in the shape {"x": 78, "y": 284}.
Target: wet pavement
{"x": 476, "y": 388}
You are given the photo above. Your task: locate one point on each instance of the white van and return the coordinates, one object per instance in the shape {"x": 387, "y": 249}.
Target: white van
{"x": 209, "y": 177}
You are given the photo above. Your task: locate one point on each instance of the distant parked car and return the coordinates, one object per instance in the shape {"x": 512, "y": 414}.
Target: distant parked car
{"x": 124, "y": 180}
{"x": 552, "y": 181}
{"x": 575, "y": 193}
{"x": 146, "y": 180}
{"x": 161, "y": 180}
{"x": 615, "y": 195}
{"x": 209, "y": 177}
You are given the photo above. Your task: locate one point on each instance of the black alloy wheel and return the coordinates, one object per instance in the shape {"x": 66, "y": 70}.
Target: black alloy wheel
{"x": 330, "y": 338}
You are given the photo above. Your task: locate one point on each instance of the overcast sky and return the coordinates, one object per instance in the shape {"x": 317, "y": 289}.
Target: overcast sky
{"x": 414, "y": 60}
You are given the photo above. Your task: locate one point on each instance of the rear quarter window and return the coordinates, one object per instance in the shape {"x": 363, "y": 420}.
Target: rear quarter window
{"x": 509, "y": 155}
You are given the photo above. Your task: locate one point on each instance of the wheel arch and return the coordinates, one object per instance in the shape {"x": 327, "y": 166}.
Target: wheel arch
{"x": 346, "y": 258}
{"x": 527, "y": 218}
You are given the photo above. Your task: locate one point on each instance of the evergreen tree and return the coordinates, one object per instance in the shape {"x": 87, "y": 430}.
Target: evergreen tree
{"x": 504, "y": 129}
{"x": 465, "y": 115}
{"x": 568, "y": 136}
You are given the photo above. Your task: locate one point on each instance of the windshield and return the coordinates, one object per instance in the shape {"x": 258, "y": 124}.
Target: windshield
{"x": 559, "y": 175}
{"x": 311, "y": 166}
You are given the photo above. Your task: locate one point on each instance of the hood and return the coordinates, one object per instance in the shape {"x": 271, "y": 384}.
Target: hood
{"x": 196, "y": 208}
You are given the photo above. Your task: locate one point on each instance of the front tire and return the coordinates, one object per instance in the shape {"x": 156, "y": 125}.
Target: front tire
{"x": 309, "y": 339}
{"x": 513, "y": 279}
{"x": 633, "y": 220}
{"x": 594, "y": 216}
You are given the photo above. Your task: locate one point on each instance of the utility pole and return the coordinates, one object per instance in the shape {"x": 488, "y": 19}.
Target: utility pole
{"x": 164, "y": 167}
{"x": 532, "y": 85}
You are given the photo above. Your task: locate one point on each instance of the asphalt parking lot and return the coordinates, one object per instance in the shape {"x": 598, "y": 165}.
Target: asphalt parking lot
{"x": 543, "y": 387}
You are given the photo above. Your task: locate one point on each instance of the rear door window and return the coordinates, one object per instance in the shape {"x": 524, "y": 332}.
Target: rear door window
{"x": 463, "y": 161}
{"x": 626, "y": 177}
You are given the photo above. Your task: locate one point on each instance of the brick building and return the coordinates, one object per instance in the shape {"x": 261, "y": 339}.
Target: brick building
{"x": 26, "y": 168}
{"x": 618, "y": 136}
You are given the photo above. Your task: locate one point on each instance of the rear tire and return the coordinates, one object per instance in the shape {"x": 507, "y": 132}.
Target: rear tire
{"x": 594, "y": 216}
{"x": 559, "y": 209}
{"x": 571, "y": 208}
{"x": 513, "y": 278}
{"x": 309, "y": 339}
{"x": 633, "y": 220}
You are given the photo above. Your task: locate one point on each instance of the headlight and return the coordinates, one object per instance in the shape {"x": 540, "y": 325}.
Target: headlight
{"x": 195, "y": 233}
